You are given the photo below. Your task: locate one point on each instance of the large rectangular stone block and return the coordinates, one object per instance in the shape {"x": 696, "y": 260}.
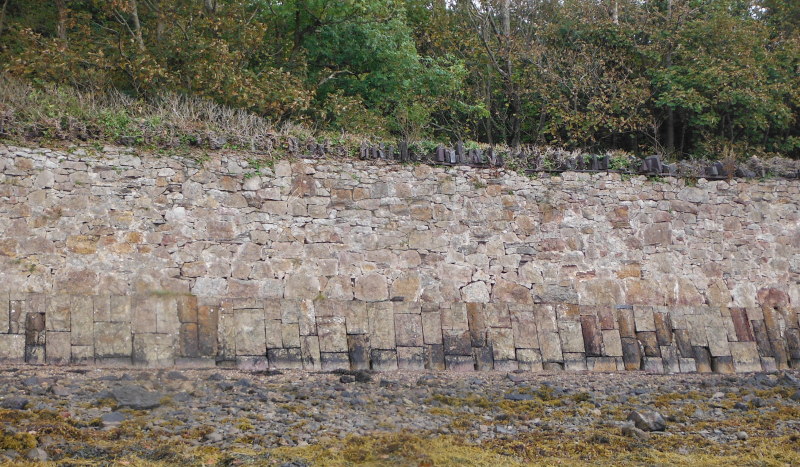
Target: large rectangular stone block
{"x": 607, "y": 319}
{"x": 332, "y": 335}
{"x": 152, "y": 350}
{"x": 408, "y": 330}
{"x": 455, "y": 317}
{"x": 57, "y": 317}
{"x": 592, "y": 336}
{"x": 12, "y": 348}
{"x": 34, "y": 355}
{"x": 82, "y": 320}
{"x": 307, "y": 320}
{"x": 410, "y": 358}
{"x": 745, "y": 356}
{"x": 762, "y": 340}
{"x": 207, "y": 330}
{"x": 290, "y": 335}
{"x": 663, "y": 327}
{"x": 167, "y": 321}
{"x": 34, "y": 329}
{"x": 718, "y": 341}
{"x": 434, "y": 357}
{"x": 383, "y": 360}
{"x": 226, "y": 336}
{"x": 16, "y": 316}
{"x": 252, "y": 362}
{"x": 523, "y": 322}
{"x": 143, "y": 314}
{"x": 4, "y": 314}
{"x": 626, "y": 322}
{"x": 571, "y": 336}
{"x": 649, "y": 343}
{"x": 575, "y": 361}
{"x": 456, "y": 342}
{"x": 57, "y": 350}
{"x": 309, "y": 351}
{"x": 545, "y": 319}
{"x": 550, "y": 345}
{"x": 612, "y": 345}
{"x": 601, "y": 364}
{"x": 464, "y": 363}
{"x": 187, "y": 309}
{"x": 432, "y": 327}
{"x": 741, "y": 324}
{"x": 250, "y": 331}
{"x": 274, "y": 333}
{"x": 670, "y": 358}
{"x": 358, "y": 349}
{"x": 357, "y": 318}
{"x": 687, "y": 365}
{"x": 84, "y": 355}
{"x": 381, "y": 326}
{"x": 529, "y": 359}
{"x": 112, "y": 340}
{"x": 722, "y": 364}
{"x": 702, "y": 359}
{"x": 484, "y": 358}
{"x": 631, "y": 353}
{"x": 102, "y": 307}
{"x": 477, "y": 324}
{"x": 120, "y": 308}
{"x": 502, "y": 342}
{"x": 288, "y": 358}
{"x": 644, "y": 319}
{"x": 497, "y": 315}
{"x": 684, "y": 343}
{"x": 188, "y": 341}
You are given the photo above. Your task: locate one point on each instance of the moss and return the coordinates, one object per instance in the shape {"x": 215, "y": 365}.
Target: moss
{"x": 19, "y": 442}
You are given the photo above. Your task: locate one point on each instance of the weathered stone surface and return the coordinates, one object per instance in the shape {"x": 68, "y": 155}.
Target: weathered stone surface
{"x": 592, "y": 336}
{"x": 12, "y": 348}
{"x": 371, "y": 288}
{"x": 434, "y": 357}
{"x": 136, "y": 397}
{"x": 456, "y": 342}
{"x": 381, "y": 326}
{"x": 571, "y": 336}
{"x": 111, "y": 340}
{"x": 250, "y": 332}
{"x": 358, "y": 349}
{"x": 383, "y": 360}
{"x": 631, "y": 354}
{"x": 289, "y": 358}
{"x": 463, "y": 363}
{"x": 745, "y": 356}
{"x": 151, "y": 350}
{"x": 502, "y": 340}
{"x": 332, "y": 334}
{"x": 647, "y": 420}
{"x": 408, "y": 330}
{"x": 410, "y": 358}
{"x": 432, "y": 327}
{"x": 309, "y": 353}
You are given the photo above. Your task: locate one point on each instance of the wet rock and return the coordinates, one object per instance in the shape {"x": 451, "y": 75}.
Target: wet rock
{"x": 136, "y": 397}
{"x": 647, "y": 420}
{"x": 14, "y": 403}
{"x": 37, "y": 454}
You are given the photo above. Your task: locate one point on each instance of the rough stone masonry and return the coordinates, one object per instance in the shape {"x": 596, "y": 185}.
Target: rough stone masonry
{"x": 116, "y": 259}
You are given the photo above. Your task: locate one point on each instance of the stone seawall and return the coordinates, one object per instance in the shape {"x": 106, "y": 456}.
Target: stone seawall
{"x": 117, "y": 259}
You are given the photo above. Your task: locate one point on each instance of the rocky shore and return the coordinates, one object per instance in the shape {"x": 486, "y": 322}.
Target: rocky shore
{"x": 79, "y": 416}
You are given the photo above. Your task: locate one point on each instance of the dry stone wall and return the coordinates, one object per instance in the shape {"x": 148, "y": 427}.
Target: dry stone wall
{"x": 113, "y": 258}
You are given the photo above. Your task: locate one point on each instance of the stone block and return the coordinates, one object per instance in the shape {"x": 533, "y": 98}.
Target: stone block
{"x": 34, "y": 329}
{"x": 434, "y": 357}
{"x": 290, "y": 335}
{"x": 432, "y": 327}
{"x": 187, "y": 341}
{"x": 718, "y": 341}
{"x": 332, "y": 335}
{"x": 207, "y": 330}
{"x": 84, "y": 355}
{"x": 252, "y": 362}
{"x": 357, "y": 318}
{"x": 669, "y": 356}
{"x": 696, "y": 326}
{"x": 502, "y": 343}
{"x": 523, "y": 324}
{"x": 780, "y": 354}
{"x": 151, "y": 350}
{"x": 34, "y": 354}
{"x": 612, "y": 345}
{"x": 592, "y": 336}
{"x": 684, "y": 343}
{"x": 334, "y": 361}
{"x": 307, "y": 320}
{"x": 289, "y": 311}
{"x": 722, "y": 364}
{"x": 226, "y": 336}
{"x": 506, "y": 365}
{"x": 545, "y": 319}
{"x": 649, "y": 343}
{"x": 626, "y": 322}
{"x": 529, "y": 359}
{"x": 456, "y": 342}
{"x": 768, "y": 364}
{"x": 112, "y": 340}
{"x": 663, "y": 326}
{"x": 120, "y": 308}
{"x": 101, "y": 305}
{"x": 288, "y": 358}
{"x": 381, "y": 326}
{"x": 166, "y": 310}
{"x": 687, "y": 365}
{"x": 762, "y": 340}
{"x": 644, "y": 319}
{"x": 631, "y": 353}
{"x": 187, "y": 309}
{"x": 741, "y": 324}
{"x": 192, "y": 362}
{"x": 792, "y": 336}
{"x": 601, "y": 364}
{"x": 57, "y": 350}
{"x": 274, "y": 333}
{"x": 575, "y": 361}
{"x": 82, "y": 321}
{"x": 484, "y": 358}
{"x": 606, "y": 317}
{"x": 408, "y": 330}
{"x": 497, "y": 315}
{"x": 383, "y": 360}
{"x": 250, "y": 332}
{"x": 410, "y": 358}
{"x": 550, "y": 346}
{"x": 571, "y": 336}
{"x": 143, "y": 314}
{"x": 455, "y": 317}
{"x": 477, "y": 324}
{"x": 371, "y": 288}
{"x": 653, "y": 365}
{"x": 57, "y": 317}
{"x": 462, "y": 363}
{"x": 16, "y": 316}
{"x": 309, "y": 352}
{"x": 745, "y": 356}
{"x": 702, "y": 359}
{"x": 358, "y": 349}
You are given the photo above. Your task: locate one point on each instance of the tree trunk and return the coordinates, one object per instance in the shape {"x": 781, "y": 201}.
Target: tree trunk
{"x": 616, "y": 12}
{"x": 137, "y": 27}
{"x": 670, "y": 136}
{"x": 61, "y": 26}
{"x": 513, "y": 97}
{"x": 211, "y": 6}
